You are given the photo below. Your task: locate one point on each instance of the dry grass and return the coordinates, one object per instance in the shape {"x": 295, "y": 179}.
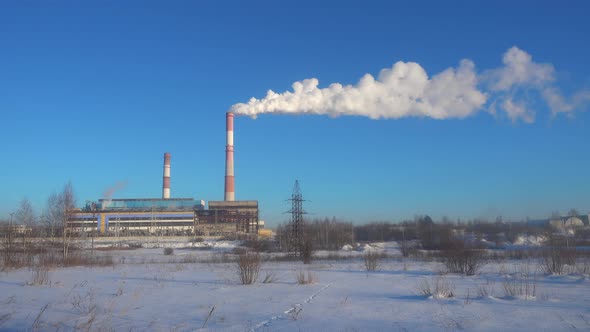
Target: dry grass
{"x": 438, "y": 288}
{"x": 305, "y": 278}
{"x": 40, "y": 276}
{"x": 52, "y": 258}
{"x": 486, "y": 289}
{"x": 583, "y": 266}
{"x": 269, "y": 277}
{"x": 37, "y": 324}
{"x": 83, "y": 259}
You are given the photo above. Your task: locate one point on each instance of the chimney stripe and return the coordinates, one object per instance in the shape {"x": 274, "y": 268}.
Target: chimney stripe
{"x": 229, "y": 158}
{"x": 166, "y": 177}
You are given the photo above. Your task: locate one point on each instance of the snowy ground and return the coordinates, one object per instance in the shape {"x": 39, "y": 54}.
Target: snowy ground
{"x": 147, "y": 290}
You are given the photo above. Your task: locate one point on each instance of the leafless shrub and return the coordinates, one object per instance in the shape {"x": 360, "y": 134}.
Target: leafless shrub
{"x": 248, "y": 266}
{"x": 40, "y": 276}
{"x": 304, "y": 279}
{"x": 523, "y": 283}
{"x": 558, "y": 260}
{"x": 463, "y": 260}
{"x": 84, "y": 303}
{"x": 168, "y": 251}
{"x": 371, "y": 259}
{"x": 407, "y": 249}
{"x": 438, "y": 288}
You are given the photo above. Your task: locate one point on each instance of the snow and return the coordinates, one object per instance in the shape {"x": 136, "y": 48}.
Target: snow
{"x": 148, "y": 290}
{"x": 529, "y": 240}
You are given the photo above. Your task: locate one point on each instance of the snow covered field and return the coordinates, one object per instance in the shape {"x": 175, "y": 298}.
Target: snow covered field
{"x": 147, "y": 290}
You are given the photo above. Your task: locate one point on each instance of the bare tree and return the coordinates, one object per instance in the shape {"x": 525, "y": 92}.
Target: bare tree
{"x": 25, "y": 217}
{"x": 52, "y": 217}
{"x": 573, "y": 213}
{"x": 58, "y": 211}
{"x": 68, "y": 200}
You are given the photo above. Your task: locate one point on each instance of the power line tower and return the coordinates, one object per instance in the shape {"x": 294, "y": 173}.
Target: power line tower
{"x": 296, "y": 225}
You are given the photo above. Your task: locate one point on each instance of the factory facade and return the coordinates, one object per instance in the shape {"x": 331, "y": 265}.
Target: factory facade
{"x": 172, "y": 216}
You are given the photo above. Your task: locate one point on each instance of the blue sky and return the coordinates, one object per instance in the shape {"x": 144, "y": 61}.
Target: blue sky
{"x": 96, "y": 91}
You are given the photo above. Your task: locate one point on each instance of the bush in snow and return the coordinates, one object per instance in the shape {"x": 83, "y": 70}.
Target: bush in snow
{"x": 248, "y": 266}
{"x": 522, "y": 283}
{"x": 168, "y": 251}
{"x": 371, "y": 259}
{"x": 557, "y": 259}
{"x": 460, "y": 259}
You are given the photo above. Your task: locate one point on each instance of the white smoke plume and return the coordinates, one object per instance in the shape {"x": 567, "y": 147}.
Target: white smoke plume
{"x": 519, "y": 70}
{"x": 559, "y": 104}
{"x": 108, "y": 193}
{"x": 406, "y": 90}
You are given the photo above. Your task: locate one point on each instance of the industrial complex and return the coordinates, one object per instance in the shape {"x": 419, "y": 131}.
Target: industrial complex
{"x": 173, "y": 216}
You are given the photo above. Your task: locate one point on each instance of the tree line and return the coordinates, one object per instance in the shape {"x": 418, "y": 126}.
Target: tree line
{"x": 53, "y": 222}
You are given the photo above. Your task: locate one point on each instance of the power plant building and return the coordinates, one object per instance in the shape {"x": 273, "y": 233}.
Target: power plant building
{"x": 227, "y": 217}
{"x": 139, "y": 216}
{"x": 173, "y": 216}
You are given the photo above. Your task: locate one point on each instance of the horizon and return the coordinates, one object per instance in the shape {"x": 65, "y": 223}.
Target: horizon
{"x": 467, "y": 120}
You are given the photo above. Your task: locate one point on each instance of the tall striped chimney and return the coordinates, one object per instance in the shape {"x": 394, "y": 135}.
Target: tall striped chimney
{"x": 230, "y": 193}
{"x": 166, "y": 178}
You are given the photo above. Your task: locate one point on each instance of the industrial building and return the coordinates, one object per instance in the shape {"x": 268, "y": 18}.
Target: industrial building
{"x": 173, "y": 216}
{"x": 227, "y": 217}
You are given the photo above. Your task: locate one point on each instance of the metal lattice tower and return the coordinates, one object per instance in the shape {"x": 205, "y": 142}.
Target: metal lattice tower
{"x": 296, "y": 225}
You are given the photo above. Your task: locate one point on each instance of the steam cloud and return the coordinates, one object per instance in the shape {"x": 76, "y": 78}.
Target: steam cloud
{"x": 406, "y": 90}
{"x": 108, "y": 193}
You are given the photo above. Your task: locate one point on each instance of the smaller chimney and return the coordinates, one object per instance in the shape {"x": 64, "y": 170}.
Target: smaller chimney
{"x": 166, "y": 178}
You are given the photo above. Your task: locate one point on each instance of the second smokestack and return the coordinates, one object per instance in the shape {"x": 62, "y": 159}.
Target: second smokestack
{"x": 230, "y": 193}
{"x": 166, "y": 178}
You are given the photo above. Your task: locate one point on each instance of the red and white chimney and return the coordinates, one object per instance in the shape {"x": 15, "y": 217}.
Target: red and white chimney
{"x": 230, "y": 193}
{"x": 166, "y": 178}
